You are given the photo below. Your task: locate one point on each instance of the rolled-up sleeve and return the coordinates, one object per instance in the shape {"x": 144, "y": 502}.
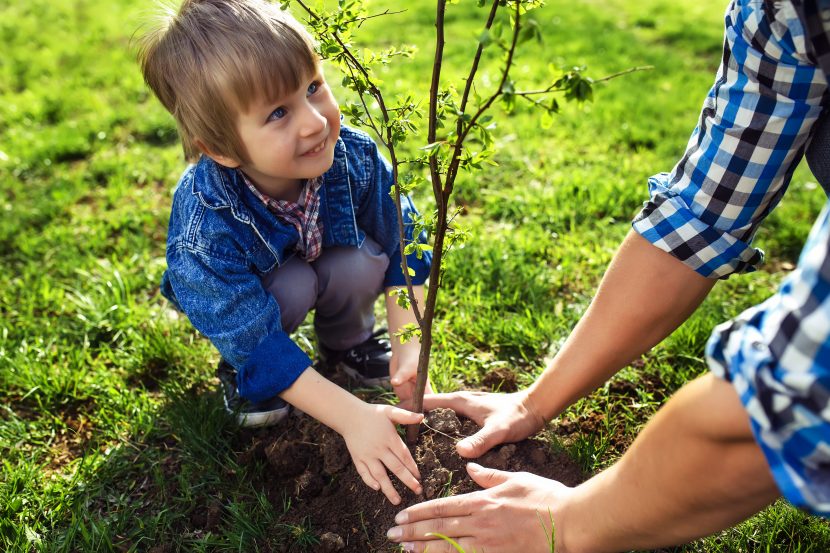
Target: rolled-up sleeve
{"x": 227, "y": 303}
{"x": 740, "y": 158}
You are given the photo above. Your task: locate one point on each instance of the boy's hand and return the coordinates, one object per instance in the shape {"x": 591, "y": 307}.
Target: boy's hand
{"x": 375, "y": 446}
{"x": 403, "y": 369}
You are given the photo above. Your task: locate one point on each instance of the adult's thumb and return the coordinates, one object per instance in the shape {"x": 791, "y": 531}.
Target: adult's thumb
{"x": 477, "y": 445}
{"x": 486, "y": 478}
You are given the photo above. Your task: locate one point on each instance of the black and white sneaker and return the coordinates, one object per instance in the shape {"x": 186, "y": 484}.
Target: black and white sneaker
{"x": 247, "y": 413}
{"x": 367, "y": 363}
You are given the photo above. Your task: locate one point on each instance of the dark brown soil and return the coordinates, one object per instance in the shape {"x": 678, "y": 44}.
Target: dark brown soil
{"x": 310, "y": 466}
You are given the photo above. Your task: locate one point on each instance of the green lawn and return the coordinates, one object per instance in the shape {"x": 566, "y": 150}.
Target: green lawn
{"x": 111, "y": 431}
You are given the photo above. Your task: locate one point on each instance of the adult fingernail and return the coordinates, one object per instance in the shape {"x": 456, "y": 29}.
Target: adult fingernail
{"x": 402, "y": 518}
{"x": 474, "y": 467}
{"x": 408, "y": 546}
{"x": 394, "y": 534}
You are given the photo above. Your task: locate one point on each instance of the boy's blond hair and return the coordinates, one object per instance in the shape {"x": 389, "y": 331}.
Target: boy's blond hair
{"x": 210, "y": 59}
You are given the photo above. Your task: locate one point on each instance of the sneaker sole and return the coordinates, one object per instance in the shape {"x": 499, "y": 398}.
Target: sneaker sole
{"x": 381, "y": 382}
{"x": 266, "y": 418}
{"x": 262, "y": 418}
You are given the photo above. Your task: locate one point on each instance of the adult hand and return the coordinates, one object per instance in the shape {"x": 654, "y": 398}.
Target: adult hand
{"x": 513, "y": 513}
{"x": 375, "y": 446}
{"x": 502, "y": 418}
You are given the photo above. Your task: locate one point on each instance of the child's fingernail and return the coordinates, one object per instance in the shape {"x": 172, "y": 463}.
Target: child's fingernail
{"x": 402, "y": 518}
{"x": 394, "y": 534}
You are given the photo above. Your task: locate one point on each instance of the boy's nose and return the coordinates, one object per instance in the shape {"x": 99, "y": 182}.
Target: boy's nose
{"x": 313, "y": 122}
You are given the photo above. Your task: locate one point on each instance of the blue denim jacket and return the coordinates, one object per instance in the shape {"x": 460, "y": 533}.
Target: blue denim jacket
{"x": 221, "y": 240}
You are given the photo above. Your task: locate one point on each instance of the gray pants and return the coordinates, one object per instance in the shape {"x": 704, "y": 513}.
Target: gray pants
{"x": 341, "y": 286}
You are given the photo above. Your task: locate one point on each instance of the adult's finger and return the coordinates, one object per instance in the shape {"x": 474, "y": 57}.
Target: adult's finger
{"x": 457, "y": 401}
{"x": 487, "y": 477}
{"x": 437, "y": 545}
{"x": 481, "y": 442}
{"x": 453, "y": 527}
{"x": 455, "y": 506}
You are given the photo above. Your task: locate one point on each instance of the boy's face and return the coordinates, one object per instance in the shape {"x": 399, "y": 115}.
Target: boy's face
{"x": 291, "y": 139}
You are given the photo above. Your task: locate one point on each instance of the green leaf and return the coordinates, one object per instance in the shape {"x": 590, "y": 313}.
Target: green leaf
{"x": 450, "y": 541}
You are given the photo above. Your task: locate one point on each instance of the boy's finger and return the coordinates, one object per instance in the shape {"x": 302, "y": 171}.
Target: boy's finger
{"x": 402, "y": 456}
{"x": 401, "y": 416}
{"x": 367, "y": 477}
{"x": 379, "y": 473}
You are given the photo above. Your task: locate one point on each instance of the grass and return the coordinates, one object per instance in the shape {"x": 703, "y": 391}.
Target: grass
{"x": 111, "y": 431}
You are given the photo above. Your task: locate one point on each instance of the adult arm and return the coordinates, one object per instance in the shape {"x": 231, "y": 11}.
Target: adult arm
{"x": 750, "y": 136}
{"x": 645, "y": 294}
{"x": 694, "y": 469}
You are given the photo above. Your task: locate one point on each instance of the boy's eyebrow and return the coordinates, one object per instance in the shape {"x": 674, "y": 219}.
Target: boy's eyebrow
{"x": 316, "y": 75}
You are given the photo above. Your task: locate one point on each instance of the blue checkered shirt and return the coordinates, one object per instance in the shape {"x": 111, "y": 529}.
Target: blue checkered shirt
{"x": 756, "y": 123}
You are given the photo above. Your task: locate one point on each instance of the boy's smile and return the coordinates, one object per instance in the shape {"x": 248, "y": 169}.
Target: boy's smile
{"x": 291, "y": 139}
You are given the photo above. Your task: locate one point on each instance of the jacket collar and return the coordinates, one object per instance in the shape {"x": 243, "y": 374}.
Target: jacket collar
{"x": 219, "y": 187}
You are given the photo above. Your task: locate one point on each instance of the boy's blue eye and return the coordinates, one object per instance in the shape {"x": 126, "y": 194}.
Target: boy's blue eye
{"x": 313, "y": 87}
{"x": 278, "y": 113}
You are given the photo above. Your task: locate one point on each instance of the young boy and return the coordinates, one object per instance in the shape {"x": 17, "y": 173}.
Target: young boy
{"x": 284, "y": 211}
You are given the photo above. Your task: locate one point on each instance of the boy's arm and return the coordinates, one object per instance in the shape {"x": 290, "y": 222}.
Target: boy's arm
{"x": 243, "y": 321}
{"x": 404, "y": 366}
{"x": 369, "y": 431}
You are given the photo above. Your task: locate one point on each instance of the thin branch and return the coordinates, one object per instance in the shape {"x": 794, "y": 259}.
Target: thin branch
{"x": 456, "y": 156}
{"x": 555, "y": 88}
{"x": 353, "y": 63}
{"x": 368, "y": 17}
{"x": 476, "y": 59}
{"x": 433, "y": 100}
{"x": 626, "y": 72}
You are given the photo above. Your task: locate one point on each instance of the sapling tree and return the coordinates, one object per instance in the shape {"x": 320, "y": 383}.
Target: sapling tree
{"x": 459, "y": 124}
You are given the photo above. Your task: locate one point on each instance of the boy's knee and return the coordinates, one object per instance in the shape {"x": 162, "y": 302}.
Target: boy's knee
{"x": 294, "y": 286}
{"x": 353, "y": 271}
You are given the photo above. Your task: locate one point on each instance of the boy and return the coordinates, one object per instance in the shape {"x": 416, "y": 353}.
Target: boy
{"x": 284, "y": 211}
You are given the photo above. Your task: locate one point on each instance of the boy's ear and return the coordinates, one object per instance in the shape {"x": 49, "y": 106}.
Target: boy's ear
{"x": 226, "y": 161}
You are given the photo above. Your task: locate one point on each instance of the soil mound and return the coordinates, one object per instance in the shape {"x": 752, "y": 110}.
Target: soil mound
{"x": 331, "y": 509}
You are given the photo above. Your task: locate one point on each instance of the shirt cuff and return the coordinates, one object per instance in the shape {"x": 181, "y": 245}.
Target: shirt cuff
{"x": 272, "y": 367}
{"x": 670, "y": 224}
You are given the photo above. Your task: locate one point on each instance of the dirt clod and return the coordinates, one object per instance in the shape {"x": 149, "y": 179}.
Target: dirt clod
{"x": 436, "y": 481}
{"x": 330, "y": 542}
{"x": 444, "y": 420}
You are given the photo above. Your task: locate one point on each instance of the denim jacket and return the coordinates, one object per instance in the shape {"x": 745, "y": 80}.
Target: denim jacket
{"x": 221, "y": 240}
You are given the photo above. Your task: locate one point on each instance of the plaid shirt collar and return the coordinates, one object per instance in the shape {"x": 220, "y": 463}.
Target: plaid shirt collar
{"x": 304, "y": 215}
